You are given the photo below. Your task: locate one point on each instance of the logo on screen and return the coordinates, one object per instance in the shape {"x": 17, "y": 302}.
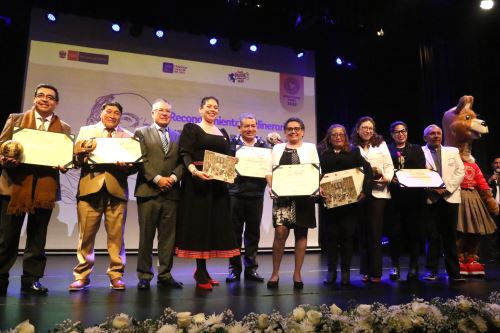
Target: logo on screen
{"x": 238, "y": 77}
{"x": 172, "y": 68}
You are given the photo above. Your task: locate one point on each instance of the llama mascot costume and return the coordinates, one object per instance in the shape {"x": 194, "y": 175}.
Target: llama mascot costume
{"x": 461, "y": 126}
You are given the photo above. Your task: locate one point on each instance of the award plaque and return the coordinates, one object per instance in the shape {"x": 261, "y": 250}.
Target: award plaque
{"x": 419, "y": 178}
{"x": 44, "y": 148}
{"x": 295, "y": 180}
{"x": 219, "y": 166}
{"x": 342, "y": 187}
{"x": 112, "y": 150}
{"x": 252, "y": 161}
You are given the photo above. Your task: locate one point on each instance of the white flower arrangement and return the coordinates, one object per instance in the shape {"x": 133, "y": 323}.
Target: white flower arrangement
{"x": 461, "y": 314}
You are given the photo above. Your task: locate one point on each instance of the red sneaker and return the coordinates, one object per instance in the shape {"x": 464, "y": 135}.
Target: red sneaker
{"x": 464, "y": 267}
{"x": 476, "y": 269}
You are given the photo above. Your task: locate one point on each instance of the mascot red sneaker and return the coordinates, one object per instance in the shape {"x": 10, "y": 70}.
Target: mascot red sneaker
{"x": 461, "y": 126}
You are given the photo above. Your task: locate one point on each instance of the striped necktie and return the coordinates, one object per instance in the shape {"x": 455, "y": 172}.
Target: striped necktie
{"x": 42, "y": 124}
{"x": 164, "y": 140}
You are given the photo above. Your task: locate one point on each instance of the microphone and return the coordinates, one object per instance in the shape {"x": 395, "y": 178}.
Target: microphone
{"x": 273, "y": 138}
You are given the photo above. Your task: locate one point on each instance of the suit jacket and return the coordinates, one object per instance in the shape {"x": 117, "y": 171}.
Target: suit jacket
{"x": 14, "y": 120}
{"x": 94, "y": 177}
{"x": 156, "y": 162}
{"x": 452, "y": 168}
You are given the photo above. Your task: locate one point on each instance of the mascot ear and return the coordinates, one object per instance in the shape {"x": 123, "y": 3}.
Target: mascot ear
{"x": 465, "y": 102}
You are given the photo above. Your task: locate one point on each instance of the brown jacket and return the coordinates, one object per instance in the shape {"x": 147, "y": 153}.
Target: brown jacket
{"x": 94, "y": 177}
{"x": 14, "y": 120}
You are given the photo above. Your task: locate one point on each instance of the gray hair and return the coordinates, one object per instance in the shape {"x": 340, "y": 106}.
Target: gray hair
{"x": 247, "y": 115}
{"x": 429, "y": 128}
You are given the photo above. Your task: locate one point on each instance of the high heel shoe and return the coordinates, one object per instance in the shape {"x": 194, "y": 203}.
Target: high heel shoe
{"x": 214, "y": 282}
{"x": 201, "y": 283}
{"x": 273, "y": 284}
{"x": 345, "y": 278}
{"x": 298, "y": 285}
{"x": 330, "y": 278}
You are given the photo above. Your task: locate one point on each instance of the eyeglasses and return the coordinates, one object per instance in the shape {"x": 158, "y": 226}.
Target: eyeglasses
{"x": 337, "y": 135}
{"x": 162, "y": 110}
{"x": 48, "y": 97}
{"x": 403, "y": 131}
{"x": 293, "y": 129}
{"x": 367, "y": 129}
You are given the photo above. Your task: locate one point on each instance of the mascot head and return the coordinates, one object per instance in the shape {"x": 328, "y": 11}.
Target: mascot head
{"x": 461, "y": 126}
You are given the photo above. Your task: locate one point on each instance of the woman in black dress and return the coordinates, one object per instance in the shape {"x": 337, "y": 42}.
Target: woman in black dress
{"x": 204, "y": 229}
{"x": 336, "y": 154}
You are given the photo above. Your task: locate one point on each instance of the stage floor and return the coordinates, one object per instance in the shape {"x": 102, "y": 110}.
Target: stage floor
{"x": 94, "y": 305}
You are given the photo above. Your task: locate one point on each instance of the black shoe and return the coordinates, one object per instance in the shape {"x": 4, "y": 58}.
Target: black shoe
{"x": 298, "y": 285}
{"x": 330, "y": 278}
{"x": 254, "y": 276}
{"x": 4, "y": 284}
{"x": 170, "y": 283}
{"x": 345, "y": 278}
{"x": 143, "y": 284}
{"x": 36, "y": 288}
{"x": 233, "y": 277}
{"x": 430, "y": 276}
{"x": 273, "y": 284}
{"x": 457, "y": 280}
{"x": 394, "y": 274}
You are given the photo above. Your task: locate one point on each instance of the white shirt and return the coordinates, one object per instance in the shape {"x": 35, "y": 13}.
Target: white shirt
{"x": 39, "y": 118}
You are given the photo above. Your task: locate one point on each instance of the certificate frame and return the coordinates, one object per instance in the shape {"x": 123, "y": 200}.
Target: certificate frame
{"x": 419, "y": 178}
{"x": 252, "y": 161}
{"x": 219, "y": 166}
{"x": 295, "y": 180}
{"x": 342, "y": 187}
{"x": 45, "y": 148}
{"x": 112, "y": 150}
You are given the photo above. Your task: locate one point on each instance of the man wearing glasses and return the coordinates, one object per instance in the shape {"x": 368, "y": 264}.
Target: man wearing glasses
{"x": 31, "y": 190}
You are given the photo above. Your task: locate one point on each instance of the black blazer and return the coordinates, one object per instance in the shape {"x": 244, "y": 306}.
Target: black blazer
{"x": 413, "y": 154}
{"x": 344, "y": 160}
{"x": 156, "y": 162}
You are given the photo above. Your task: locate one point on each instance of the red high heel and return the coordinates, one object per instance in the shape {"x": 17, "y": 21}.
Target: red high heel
{"x": 213, "y": 282}
{"x": 201, "y": 286}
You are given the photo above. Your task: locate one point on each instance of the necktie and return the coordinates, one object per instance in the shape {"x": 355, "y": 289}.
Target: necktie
{"x": 42, "y": 124}
{"x": 110, "y": 132}
{"x": 164, "y": 140}
{"x": 436, "y": 156}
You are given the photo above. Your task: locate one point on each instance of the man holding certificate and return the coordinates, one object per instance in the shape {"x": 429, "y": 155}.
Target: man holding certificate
{"x": 443, "y": 204}
{"x": 102, "y": 191}
{"x": 246, "y": 204}
{"x": 27, "y": 189}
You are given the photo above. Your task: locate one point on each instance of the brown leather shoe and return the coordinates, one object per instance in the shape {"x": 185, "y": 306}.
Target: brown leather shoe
{"x": 117, "y": 284}
{"x": 79, "y": 285}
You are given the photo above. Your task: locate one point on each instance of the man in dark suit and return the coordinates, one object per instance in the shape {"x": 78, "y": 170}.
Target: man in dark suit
{"x": 247, "y": 197}
{"x": 157, "y": 192}
{"x": 102, "y": 191}
{"x": 27, "y": 189}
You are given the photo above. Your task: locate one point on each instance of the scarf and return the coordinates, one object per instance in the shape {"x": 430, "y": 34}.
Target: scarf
{"x": 34, "y": 187}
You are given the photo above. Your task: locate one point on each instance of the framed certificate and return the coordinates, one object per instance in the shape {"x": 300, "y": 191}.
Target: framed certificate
{"x": 295, "y": 180}
{"x": 342, "y": 187}
{"x": 219, "y": 166}
{"x": 419, "y": 178}
{"x": 112, "y": 150}
{"x": 45, "y": 148}
{"x": 252, "y": 161}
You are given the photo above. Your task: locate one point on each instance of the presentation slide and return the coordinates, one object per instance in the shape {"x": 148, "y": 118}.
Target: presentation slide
{"x": 89, "y": 76}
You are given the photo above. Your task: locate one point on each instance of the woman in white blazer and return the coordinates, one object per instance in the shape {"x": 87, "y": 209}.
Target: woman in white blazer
{"x": 295, "y": 213}
{"x": 374, "y": 149}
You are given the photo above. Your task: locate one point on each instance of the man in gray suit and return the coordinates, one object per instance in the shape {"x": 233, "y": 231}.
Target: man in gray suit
{"x": 157, "y": 192}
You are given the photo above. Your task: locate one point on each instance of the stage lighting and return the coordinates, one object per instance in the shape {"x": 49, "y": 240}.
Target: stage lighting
{"x": 116, "y": 27}
{"x": 213, "y": 41}
{"x": 51, "y": 17}
{"x": 253, "y": 48}
{"x": 300, "y": 54}
{"x": 380, "y": 32}
{"x": 159, "y": 33}
{"x": 339, "y": 61}
{"x": 486, "y": 4}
